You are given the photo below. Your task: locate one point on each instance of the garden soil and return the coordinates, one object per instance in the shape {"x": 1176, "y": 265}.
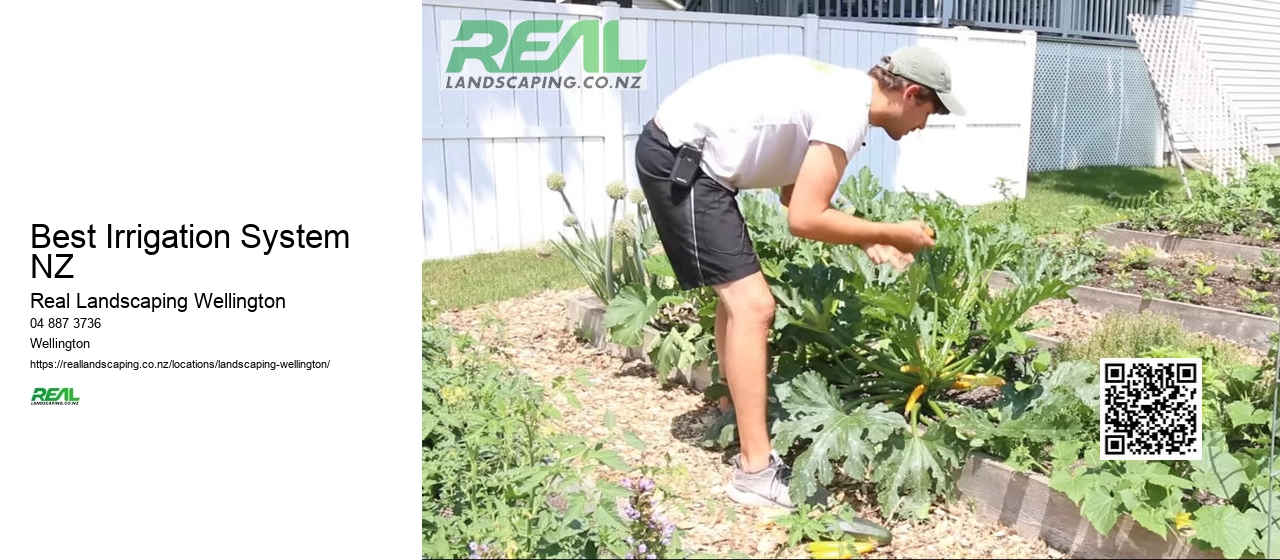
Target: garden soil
{"x": 534, "y": 336}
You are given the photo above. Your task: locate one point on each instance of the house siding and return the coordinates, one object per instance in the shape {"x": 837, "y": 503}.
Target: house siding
{"x": 1241, "y": 39}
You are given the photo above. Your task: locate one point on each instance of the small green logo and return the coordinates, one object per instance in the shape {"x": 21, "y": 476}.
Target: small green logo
{"x": 54, "y": 395}
{"x": 543, "y": 54}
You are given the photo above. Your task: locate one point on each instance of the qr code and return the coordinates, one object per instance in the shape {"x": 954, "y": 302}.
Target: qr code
{"x": 1151, "y": 408}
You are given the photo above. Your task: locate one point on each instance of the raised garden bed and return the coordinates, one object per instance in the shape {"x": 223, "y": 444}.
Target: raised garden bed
{"x": 1242, "y": 289}
{"x": 1026, "y": 503}
{"x": 1023, "y": 502}
{"x": 1250, "y": 330}
{"x": 1220, "y": 246}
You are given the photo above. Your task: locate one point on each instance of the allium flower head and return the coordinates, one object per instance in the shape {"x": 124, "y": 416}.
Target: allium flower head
{"x": 624, "y": 229}
{"x": 555, "y": 181}
{"x": 616, "y": 190}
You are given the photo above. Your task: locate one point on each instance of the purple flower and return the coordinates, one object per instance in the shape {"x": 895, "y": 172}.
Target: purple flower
{"x": 626, "y": 510}
{"x": 646, "y": 485}
{"x": 483, "y": 551}
{"x": 642, "y": 548}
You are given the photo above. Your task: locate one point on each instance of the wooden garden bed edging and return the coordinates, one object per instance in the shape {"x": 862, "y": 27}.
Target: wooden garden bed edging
{"x": 1253, "y": 331}
{"x": 1117, "y": 236}
{"x": 1025, "y": 503}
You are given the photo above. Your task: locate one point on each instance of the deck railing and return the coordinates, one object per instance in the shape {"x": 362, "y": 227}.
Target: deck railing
{"x": 1094, "y": 19}
{"x": 1100, "y": 19}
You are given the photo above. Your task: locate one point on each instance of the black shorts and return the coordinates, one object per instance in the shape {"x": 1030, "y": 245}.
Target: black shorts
{"x": 700, "y": 226}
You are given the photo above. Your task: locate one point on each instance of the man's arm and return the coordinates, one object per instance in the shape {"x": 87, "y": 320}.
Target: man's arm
{"x": 808, "y": 201}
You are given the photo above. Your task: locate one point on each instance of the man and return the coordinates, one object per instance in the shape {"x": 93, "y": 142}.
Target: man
{"x": 773, "y": 121}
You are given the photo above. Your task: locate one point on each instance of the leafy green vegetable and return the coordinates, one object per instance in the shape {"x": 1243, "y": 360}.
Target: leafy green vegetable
{"x": 818, "y": 414}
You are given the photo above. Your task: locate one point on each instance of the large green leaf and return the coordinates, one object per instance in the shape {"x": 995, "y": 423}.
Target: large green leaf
{"x": 660, "y": 265}
{"x": 1075, "y": 486}
{"x": 812, "y": 298}
{"x": 630, "y": 310}
{"x": 915, "y": 471}
{"x": 1218, "y": 471}
{"x": 1151, "y": 518}
{"x": 676, "y": 349}
{"x": 816, "y": 413}
{"x": 1226, "y": 528}
{"x": 1266, "y": 500}
{"x": 628, "y": 313}
{"x": 1101, "y": 509}
{"x": 1243, "y": 413}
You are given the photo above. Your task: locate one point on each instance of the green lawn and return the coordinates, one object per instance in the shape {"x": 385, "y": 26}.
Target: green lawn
{"x": 484, "y": 278}
{"x": 478, "y": 279}
{"x": 1108, "y": 190}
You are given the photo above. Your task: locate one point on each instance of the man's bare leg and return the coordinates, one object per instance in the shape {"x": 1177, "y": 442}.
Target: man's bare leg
{"x": 750, "y": 308}
{"x": 722, "y": 325}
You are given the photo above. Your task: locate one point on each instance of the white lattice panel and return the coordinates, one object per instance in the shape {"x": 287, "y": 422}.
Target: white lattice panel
{"x": 1195, "y": 100}
{"x": 1093, "y": 105}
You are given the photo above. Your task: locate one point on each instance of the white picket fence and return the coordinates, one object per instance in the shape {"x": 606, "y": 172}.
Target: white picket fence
{"x": 486, "y": 154}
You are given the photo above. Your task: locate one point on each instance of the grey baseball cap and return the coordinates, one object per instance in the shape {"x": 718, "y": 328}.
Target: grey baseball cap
{"x": 926, "y": 67}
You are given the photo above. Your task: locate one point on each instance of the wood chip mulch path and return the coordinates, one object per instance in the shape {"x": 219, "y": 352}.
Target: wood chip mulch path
{"x": 535, "y": 338}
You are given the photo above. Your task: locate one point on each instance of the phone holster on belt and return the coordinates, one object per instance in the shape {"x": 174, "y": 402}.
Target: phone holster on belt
{"x": 687, "y": 161}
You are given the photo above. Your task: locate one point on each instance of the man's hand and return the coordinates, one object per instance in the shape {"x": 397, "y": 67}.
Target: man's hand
{"x": 880, "y": 254}
{"x": 910, "y": 236}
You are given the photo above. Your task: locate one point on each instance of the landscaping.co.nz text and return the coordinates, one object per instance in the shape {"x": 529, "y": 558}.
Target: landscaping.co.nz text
{"x": 543, "y": 82}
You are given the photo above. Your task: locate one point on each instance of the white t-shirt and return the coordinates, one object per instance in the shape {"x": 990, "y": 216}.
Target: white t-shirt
{"x": 758, "y": 115}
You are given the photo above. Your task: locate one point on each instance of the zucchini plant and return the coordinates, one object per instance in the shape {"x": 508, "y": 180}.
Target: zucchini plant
{"x": 869, "y": 357}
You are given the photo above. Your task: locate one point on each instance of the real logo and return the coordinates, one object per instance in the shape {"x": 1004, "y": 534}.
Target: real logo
{"x": 542, "y": 54}
{"x": 54, "y": 395}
